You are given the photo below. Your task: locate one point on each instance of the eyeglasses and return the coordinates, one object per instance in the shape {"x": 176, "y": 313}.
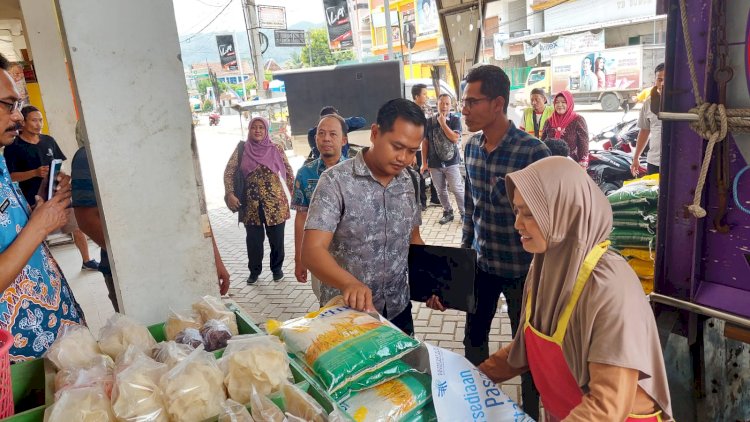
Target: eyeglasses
{"x": 12, "y": 107}
{"x": 470, "y": 102}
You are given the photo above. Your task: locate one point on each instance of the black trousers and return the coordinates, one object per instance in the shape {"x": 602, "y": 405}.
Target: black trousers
{"x": 651, "y": 169}
{"x": 404, "y": 321}
{"x": 422, "y": 183}
{"x": 255, "y": 235}
{"x": 488, "y": 288}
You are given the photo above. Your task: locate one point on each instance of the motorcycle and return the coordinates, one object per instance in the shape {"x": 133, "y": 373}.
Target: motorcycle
{"x": 622, "y": 136}
{"x": 213, "y": 119}
{"x": 609, "y": 169}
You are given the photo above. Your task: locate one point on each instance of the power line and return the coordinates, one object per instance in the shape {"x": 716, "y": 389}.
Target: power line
{"x": 209, "y": 23}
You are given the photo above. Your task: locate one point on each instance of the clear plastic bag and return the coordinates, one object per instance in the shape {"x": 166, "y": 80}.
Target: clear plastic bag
{"x": 99, "y": 373}
{"x": 210, "y": 307}
{"x": 136, "y": 396}
{"x": 170, "y": 353}
{"x": 86, "y": 404}
{"x": 341, "y": 345}
{"x": 120, "y": 332}
{"x": 234, "y": 412}
{"x": 215, "y": 335}
{"x": 190, "y": 337}
{"x": 258, "y": 361}
{"x": 194, "y": 388}
{"x": 300, "y": 404}
{"x": 178, "y": 321}
{"x": 74, "y": 348}
{"x": 263, "y": 409}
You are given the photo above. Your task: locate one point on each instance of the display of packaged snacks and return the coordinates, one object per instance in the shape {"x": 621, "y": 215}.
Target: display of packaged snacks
{"x": 120, "y": 332}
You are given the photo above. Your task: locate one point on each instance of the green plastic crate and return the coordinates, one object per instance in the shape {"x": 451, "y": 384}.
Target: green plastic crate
{"x": 32, "y": 389}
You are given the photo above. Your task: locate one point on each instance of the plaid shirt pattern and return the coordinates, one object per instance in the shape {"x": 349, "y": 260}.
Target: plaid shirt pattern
{"x": 488, "y": 222}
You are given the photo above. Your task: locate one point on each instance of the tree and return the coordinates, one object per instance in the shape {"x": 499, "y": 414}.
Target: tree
{"x": 320, "y": 52}
{"x": 295, "y": 61}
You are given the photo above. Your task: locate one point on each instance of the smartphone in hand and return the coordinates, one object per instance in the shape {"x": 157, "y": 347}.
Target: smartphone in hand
{"x": 54, "y": 168}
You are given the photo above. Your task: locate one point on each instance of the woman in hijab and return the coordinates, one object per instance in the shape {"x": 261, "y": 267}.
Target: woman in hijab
{"x": 567, "y": 125}
{"x": 254, "y": 182}
{"x": 589, "y": 336}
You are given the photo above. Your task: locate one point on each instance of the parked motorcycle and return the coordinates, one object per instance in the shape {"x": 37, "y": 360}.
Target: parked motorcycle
{"x": 213, "y": 119}
{"x": 622, "y": 136}
{"x": 609, "y": 169}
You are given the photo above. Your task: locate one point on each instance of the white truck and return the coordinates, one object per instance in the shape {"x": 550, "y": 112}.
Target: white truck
{"x": 611, "y": 77}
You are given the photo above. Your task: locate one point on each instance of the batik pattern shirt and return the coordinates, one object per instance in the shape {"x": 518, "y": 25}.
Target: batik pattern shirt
{"x": 371, "y": 226}
{"x": 306, "y": 181}
{"x": 263, "y": 188}
{"x": 38, "y": 304}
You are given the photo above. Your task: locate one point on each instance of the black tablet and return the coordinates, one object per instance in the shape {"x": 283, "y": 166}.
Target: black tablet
{"x": 446, "y": 272}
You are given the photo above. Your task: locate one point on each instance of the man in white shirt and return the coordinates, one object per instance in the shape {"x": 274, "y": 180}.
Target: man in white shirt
{"x": 650, "y": 128}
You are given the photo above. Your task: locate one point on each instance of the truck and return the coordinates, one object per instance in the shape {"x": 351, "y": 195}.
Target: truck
{"x": 611, "y": 77}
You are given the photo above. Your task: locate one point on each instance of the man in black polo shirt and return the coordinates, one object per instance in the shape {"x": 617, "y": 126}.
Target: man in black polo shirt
{"x": 28, "y": 159}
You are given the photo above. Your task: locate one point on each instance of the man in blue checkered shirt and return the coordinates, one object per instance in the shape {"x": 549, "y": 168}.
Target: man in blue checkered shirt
{"x": 500, "y": 148}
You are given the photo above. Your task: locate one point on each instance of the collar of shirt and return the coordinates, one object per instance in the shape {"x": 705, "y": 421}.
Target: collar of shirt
{"x": 361, "y": 169}
{"x": 322, "y": 165}
{"x": 510, "y": 135}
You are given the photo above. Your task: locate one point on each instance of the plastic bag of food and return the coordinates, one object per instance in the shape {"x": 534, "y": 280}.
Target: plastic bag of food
{"x": 263, "y": 409}
{"x": 120, "y": 332}
{"x": 178, "y": 321}
{"x": 341, "y": 345}
{"x": 86, "y": 404}
{"x": 170, "y": 353}
{"x": 74, "y": 348}
{"x": 234, "y": 412}
{"x": 394, "y": 400}
{"x": 460, "y": 392}
{"x": 300, "y": 404}
{"x": 259, "y": 361}
{"x": 210, "y": 307}
{"x": 215, "y": 335}
{"x": 194, "y": 388}
{"x": 99, "y": 373}
{"x": 190, "y": 337}
{"x": 137, "y": 396}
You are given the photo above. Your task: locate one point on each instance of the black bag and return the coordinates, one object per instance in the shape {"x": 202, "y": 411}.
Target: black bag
{"x": 239, "y": 179}
{"x": 444, "y": 149}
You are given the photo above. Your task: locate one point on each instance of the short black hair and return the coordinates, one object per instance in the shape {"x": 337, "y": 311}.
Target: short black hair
{"x": 399, "y": 107}
{"x": 28, "y": 109}
{"x": 328, "y": 110}
{"x": 495, "y": 83}
{"x": 558, "y": 147}
{"x": 342, "y": 122}
{"x": 659, "y": 67}
{"x": 4, "y": 63}
{"x": 443, "y": 95}
{"x": 417, "y": 89}
{"x": 539, "y": 91}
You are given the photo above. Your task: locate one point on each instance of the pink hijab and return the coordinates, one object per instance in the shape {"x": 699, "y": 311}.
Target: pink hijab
{"x": 264, "y": 153}
{"x": 560, "y": 121}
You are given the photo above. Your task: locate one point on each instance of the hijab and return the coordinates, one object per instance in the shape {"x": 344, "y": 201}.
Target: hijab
{"x": 264, "y": 153}
{"x": 612, "y": 323}
{"x": 560, "y": 121}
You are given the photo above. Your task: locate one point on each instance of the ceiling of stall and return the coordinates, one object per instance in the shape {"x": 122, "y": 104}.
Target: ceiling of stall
{"x": 460, "y": 21}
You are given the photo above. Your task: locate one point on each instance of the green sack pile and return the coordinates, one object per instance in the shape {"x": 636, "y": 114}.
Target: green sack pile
{"x": 634, "y": 215}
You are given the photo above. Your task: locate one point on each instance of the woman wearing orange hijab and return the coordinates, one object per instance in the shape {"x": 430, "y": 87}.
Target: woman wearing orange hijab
{"x": 589, "y": 336}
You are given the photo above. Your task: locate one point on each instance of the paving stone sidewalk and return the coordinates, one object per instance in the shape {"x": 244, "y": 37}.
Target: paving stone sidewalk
{"x": 289, "y": 299}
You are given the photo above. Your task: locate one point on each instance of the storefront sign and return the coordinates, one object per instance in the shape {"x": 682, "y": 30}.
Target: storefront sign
{"x": 339, "y": 25}
{"x": 500, "y": 47}
{"x": 272, "y": 17}
{"x": 566, "y": 44}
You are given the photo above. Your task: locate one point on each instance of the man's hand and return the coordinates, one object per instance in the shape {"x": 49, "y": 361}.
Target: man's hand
{"x": 42, "y": 171}
{"x": 358, "y": 296}
{"x": 233, "y": 202}
{"x": 434, "y": 303}
{"x": 223, "y": 276}
{"x": 50, "y": 215}
{"x": 300, "y": 271}
{"x": 635, "y": 168}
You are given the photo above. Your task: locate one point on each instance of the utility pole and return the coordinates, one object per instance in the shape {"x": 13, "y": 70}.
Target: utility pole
{"x": 253, "y": 33}
{"x": 388, "y": 32}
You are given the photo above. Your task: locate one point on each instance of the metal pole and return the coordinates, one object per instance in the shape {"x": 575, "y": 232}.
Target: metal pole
{"x": 388, "y": 33}
{"x": 251, "y": 23}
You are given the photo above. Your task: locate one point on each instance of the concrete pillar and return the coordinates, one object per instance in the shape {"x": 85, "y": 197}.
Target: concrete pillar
{"x": 45, "y": 46}
{"x": 125, "y": 63}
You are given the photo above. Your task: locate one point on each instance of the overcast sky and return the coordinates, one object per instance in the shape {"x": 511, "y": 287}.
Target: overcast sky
{"x": 192, "y": 15}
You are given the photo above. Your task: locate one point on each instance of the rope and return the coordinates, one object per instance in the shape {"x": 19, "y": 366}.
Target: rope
{"x": 714, "y": 120}
{"x": 736, "y": 190}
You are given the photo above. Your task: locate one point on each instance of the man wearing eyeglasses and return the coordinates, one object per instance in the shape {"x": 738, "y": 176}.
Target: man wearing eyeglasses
{"x": 500, "y": 148}
{"x": 35, "y": 301}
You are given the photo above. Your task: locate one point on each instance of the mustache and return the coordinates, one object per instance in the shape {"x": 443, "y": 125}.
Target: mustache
{"x": 14, "y": 127}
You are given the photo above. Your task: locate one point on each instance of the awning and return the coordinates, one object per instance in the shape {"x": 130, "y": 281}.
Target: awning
{"x": 584, "y": 28}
